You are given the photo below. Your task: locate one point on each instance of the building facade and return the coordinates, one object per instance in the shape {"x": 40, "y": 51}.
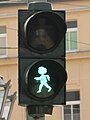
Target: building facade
{"x": 77, "y": 58}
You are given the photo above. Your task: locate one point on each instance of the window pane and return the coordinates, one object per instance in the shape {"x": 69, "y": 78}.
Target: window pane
{"x": 2, "y": 29}
{"x": 73, "y": 96}
{"x": 76, "y": 112}
{"x": 1, "y": 97}
{"x": 67, "y": 41}
{"x": 2, "y": 44}
{"x": 73, "y": 40}
{"x": 6, "y": 110}
{"x": 71, "y": 24}
{"x": 67, "y": 112}
{"x": 2, "y": 40}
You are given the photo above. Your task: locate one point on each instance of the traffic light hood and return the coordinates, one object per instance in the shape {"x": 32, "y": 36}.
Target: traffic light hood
{"x": 44, "y": 30}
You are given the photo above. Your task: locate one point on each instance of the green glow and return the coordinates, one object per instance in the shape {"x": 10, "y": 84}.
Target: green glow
{"x": 43, "y": 79}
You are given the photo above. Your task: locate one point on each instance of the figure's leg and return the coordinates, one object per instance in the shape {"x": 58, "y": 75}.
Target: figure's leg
{"x": 49, "y": 88}
{"x": 40, "y": 88}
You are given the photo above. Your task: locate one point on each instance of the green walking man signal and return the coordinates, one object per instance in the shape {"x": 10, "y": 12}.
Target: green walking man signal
{"x": 44, "y": 78}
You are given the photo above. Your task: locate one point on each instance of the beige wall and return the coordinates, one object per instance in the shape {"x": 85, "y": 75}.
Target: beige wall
{"x": 78, "y": 64}
{"x": 79, "y": 70}
{"x": 8, "y": 66}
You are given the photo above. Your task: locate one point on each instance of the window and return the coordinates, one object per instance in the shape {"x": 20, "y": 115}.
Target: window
{"x": 71, "y": 37}
{"x": 71, "y": 111}
{"x": 2, "y": 41}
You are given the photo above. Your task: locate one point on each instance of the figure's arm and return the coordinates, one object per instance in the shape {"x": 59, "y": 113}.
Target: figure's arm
{"x": 48, "y": 77}
{"x": 37, "y": 78}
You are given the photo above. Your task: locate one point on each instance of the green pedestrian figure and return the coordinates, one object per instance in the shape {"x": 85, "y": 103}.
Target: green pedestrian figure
{"x": 43, "y": 79}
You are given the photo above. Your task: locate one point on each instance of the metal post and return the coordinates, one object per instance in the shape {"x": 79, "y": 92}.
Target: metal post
{"x": 35, "y": 117}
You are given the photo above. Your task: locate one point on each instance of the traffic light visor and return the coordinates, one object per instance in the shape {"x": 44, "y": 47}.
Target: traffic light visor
{"x": 44, "y": 31}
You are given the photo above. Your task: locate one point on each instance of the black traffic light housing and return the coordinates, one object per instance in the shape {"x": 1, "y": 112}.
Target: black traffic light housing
{"x": 41, "y": 57}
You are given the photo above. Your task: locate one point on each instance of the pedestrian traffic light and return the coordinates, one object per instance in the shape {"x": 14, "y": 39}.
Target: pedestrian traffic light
{"x": 41, "y": 65}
